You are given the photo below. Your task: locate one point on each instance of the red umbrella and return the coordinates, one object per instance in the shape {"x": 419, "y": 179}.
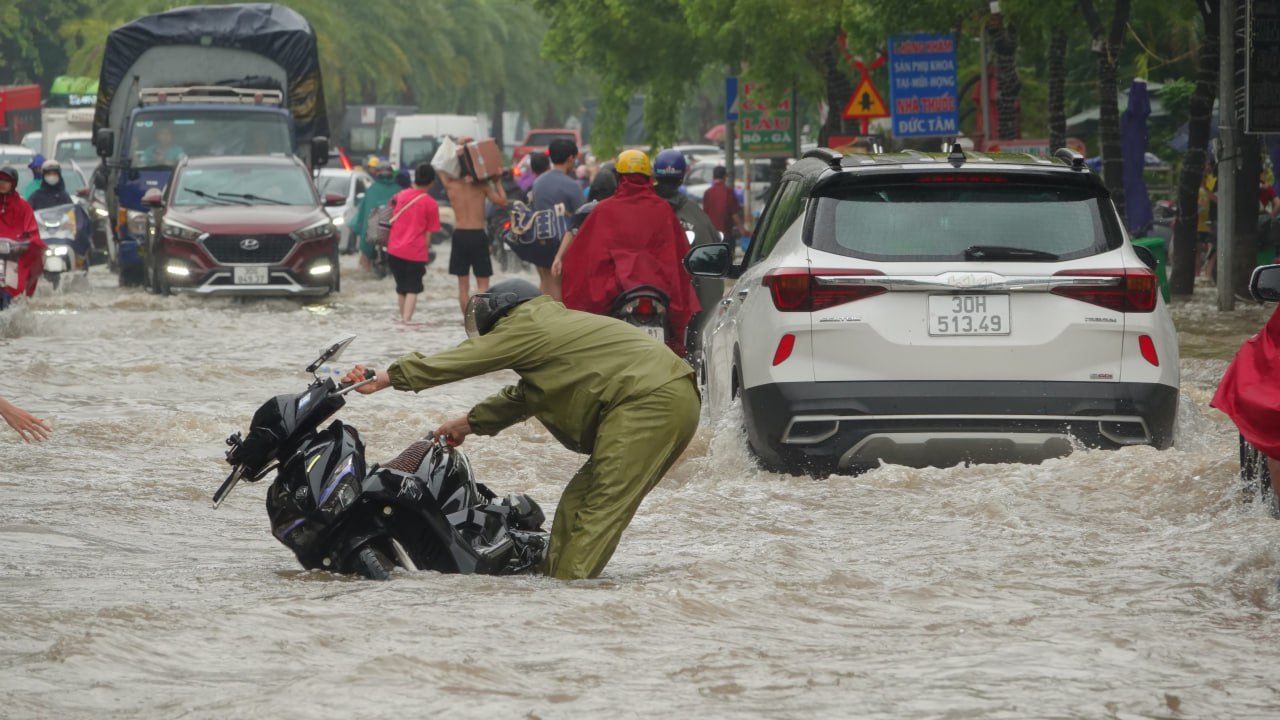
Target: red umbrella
{"x": 715, "y": 134}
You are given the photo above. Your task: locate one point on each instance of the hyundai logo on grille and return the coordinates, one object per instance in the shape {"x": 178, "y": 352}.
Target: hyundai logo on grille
{"x": 249, "y": 244}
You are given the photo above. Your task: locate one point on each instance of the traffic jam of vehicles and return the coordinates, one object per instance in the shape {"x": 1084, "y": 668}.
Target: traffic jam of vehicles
{"x": 775, "y": 369}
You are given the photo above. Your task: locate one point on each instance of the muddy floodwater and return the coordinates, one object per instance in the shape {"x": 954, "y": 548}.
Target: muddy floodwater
{"x": 1129, "y": 584}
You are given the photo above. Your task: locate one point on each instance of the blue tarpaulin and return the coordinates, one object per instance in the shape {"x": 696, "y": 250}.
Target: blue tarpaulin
{"x": 1133, "y": 147}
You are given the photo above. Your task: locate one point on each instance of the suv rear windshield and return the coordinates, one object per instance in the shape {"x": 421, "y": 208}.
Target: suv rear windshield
{"x": 937, "y": 221}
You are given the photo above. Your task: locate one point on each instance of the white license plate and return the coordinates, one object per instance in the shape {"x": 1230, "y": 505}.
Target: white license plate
{"x": 969, "y": 315}
{"x": 656, "y": 333}
{"x": 251, "y": 275}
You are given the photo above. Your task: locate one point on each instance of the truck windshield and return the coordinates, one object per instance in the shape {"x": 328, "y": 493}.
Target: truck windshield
{"x": 417, "y": 150}
{"x": 244, "y": 185}
{"x": 78, "y": 150}
{"x": 162, "y": 139}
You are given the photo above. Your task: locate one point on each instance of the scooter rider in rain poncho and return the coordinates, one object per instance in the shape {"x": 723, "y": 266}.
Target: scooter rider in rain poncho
{"x": 52, "y": 191}
{"x": 18, "y": 222}
{"x": 631, "y": 239}
{"x": 597, "y": 385}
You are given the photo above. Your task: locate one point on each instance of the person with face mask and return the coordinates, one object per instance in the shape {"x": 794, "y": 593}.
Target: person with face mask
{"x": 52, "y": 191}
{"x": 600, "y": 386}
{"x": 18, "y": 222}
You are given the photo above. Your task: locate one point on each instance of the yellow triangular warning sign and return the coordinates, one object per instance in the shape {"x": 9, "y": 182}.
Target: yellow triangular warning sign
{"x": 866, "y": 103}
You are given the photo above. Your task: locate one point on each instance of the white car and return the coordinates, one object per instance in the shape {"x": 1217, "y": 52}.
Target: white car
{"x": 698, "y": 179}
{"x": 351, "y": 184}
{"x": 18, "y": 157}
{"x": 932, "y": 309}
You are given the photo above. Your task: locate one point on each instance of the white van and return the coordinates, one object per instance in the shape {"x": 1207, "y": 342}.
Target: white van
{"x": 414, "y": 138}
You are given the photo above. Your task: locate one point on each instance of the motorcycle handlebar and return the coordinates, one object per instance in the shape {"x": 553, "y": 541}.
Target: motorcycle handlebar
{"x": 345, "y": 387}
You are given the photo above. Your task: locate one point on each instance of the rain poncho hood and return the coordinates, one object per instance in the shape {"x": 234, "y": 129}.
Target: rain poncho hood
{"x": 633, "y": 238}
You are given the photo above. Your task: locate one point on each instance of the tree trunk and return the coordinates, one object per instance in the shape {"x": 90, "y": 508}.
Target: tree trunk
{"x": 1244, "y": 253}
{"x": 1057, "y": 89}
{"x": 499, "y": 110}
{"x": 1108, "y": 45}
{"x": 839, "y": 89}
{"x": 1004, "y": 40}
{"x": 1182, "y": 271}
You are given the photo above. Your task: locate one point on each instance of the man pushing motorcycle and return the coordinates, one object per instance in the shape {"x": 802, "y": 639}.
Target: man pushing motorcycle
{"x": 599, "y": 386}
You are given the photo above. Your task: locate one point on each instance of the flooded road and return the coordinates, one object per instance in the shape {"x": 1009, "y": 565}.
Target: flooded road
{"x": 1128, "y": 584}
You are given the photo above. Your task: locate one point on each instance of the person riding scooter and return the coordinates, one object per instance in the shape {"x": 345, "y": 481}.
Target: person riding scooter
{"x": 669, "y": 169}
{"x": 631, "y": 239}
{"x": 18, "y": 222}
{"x": 52, "y": 191}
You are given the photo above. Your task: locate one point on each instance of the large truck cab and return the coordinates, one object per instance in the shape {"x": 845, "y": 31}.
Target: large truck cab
{"x": 170, "y": 124}
{"x": 200, "y": 81}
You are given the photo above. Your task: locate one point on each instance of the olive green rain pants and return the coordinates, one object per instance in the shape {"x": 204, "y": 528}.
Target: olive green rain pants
{"x": 636, "y": 443}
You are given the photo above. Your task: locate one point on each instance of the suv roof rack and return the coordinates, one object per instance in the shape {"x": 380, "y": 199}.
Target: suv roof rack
{"x": 211, "y": 94}
{"x": 1070, "y": 157}
{"x": 826, "y": 155}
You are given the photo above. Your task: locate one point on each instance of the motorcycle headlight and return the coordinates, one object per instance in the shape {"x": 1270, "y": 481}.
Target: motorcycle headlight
{"x": 136, "y": 223}
{"x": 56, "y": 250}
{"x": 312, "y": 232}
{"x": 339, "y": 220}
{"x": 181, "y": 232}
{"x": 101, "y": 212}
{"x": 341, "y": 488}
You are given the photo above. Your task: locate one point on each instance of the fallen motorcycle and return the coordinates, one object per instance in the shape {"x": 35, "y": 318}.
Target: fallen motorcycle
{"x": 422, "y": 510}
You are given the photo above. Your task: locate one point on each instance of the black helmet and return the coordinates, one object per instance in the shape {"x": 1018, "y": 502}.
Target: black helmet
{"x": 9, "y": 171}
{"x": 486, "y": 308}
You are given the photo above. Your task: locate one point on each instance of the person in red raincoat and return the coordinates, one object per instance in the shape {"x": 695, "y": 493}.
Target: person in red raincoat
{"x": 1250, "y": 394}
{"x": 18, "y": 222}
{"x": 633, "y": 238}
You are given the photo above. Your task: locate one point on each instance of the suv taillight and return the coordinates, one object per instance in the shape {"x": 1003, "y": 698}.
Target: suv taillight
{"x": 1132, "y": 290}
{"x": 806, "y": 290}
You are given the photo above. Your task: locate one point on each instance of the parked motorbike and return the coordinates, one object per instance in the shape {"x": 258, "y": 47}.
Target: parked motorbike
{"x": 65, "y": 231}
{"x": 645, "y": 307}
{"x": 10, "y": 251}
{"x": 422, "y": 510}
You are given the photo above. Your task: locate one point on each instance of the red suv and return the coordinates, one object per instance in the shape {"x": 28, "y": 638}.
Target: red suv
{"x": 241, "y": 226}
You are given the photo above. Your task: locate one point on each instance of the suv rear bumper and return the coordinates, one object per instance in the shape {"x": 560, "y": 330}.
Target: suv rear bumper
{"x": 842, "y": 425}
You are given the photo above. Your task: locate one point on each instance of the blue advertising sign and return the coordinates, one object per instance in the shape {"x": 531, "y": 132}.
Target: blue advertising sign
{"x": 922, "y": 80}
{"x": 730, "y": 98}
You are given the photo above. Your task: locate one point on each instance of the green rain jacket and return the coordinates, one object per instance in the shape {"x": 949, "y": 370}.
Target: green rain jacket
{"x": 378, "y": 194}
{"x": 574, "y": 367}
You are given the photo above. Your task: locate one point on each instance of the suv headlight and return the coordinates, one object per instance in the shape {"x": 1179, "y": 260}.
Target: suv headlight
{"x": 311, "y": 232}
{"x": 177, "y": 230}
{"x": 136, "y": 223}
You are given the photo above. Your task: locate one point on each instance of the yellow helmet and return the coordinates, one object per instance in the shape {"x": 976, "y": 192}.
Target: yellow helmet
{"x": 372, "y": 162}
{"x": 633, "y": 161}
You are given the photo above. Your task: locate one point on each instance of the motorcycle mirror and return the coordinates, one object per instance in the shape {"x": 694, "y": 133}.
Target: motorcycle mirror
{"x": 332, "y": 352}
{"x": 1265, "y": 283}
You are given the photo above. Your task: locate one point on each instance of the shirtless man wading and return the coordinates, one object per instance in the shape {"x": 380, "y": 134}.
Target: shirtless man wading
{"x": 470, "y": 241}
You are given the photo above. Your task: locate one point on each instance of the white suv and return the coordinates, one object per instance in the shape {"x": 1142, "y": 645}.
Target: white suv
{"x": 930, "y": 309}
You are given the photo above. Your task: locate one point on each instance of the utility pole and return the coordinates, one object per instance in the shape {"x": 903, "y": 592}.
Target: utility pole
{"x": 730, "y": 132}
{"x": 984, "y": 90}
{"x": 1227, "y": 160}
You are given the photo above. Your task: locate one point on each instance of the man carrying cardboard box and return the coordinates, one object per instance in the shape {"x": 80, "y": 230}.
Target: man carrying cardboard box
{"x": 470, "y": 252}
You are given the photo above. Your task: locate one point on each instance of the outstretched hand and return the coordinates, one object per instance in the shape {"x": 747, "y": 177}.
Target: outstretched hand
{"x": 453, "y": 431}
{"x": 30, "y": 427}
{"x": 357, "y": 375}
